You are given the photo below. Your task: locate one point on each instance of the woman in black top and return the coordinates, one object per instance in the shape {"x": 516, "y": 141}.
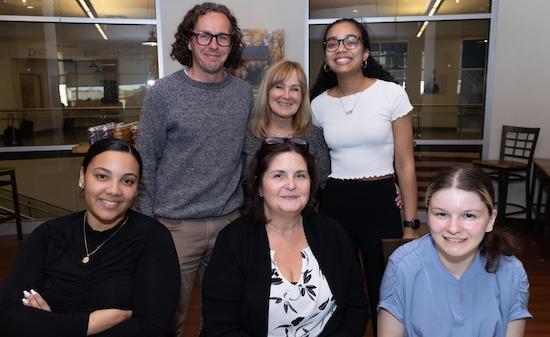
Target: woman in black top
{"x": 105, "y": 271}
{"x": 283, "y": 269}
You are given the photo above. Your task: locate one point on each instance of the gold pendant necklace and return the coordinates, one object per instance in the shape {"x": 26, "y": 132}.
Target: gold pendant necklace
{"x": 86, "y": 258}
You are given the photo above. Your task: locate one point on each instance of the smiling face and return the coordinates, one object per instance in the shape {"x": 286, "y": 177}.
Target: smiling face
{"x": 110, "y": 186}
{"x": 342, "y": 60}
{"x": 208, "y": 60}
{"x": 285, "y": 186}
{"x": 458, "y": 221}
{"x": 285, "y": 97}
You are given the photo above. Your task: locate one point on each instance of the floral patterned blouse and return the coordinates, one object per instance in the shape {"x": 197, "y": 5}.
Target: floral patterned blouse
{"x": 301, "y": 309}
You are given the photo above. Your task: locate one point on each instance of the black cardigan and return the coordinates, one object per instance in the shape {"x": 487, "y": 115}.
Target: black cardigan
{"x": 136, "y": 269}
{"x": 236, "y": 284}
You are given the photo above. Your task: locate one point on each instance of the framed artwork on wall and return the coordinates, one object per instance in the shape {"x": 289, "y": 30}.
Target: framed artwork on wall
{"x": 262, "y": 49}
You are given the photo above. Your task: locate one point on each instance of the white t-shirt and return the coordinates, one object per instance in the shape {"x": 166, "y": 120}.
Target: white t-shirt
{"x": 361, "y": 142}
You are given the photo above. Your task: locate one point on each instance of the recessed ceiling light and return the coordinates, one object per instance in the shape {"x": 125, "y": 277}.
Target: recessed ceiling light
{"x": 355, "y": 11}
{"x": 24, "y": 1}
{"x": 30, "y": 7}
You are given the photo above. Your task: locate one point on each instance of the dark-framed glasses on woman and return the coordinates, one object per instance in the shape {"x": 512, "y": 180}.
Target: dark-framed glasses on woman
{"x": 204, "y": 39}
{"x": 350, "y": 42}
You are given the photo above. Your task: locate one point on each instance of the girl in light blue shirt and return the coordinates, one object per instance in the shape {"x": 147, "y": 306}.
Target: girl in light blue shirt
{"x": 461, "y": 279}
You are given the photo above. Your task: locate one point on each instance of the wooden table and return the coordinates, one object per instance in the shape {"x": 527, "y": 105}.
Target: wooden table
{"x": 541, "y": 172}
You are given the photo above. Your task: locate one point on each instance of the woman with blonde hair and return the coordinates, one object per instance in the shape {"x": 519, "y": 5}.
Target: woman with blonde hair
{"x": 282, "y": 110}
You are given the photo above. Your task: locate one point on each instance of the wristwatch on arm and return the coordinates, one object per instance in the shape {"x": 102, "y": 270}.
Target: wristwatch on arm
{"x": 414, "y": 224}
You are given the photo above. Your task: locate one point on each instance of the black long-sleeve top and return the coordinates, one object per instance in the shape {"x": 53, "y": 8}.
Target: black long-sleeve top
{"x": 137, "y": 269}
{"x": 237, "y": 281}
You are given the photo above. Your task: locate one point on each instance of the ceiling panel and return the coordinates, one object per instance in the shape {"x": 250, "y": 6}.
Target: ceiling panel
{"x": 365, "y": 8}
{"x": 135, "y": 9}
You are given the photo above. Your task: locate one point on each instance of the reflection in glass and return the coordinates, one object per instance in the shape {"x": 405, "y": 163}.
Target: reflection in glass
{"x": 135, "y": 9}
{"x": 443, "y": 72}
{"x": 393, "y": 57}
{"x": 324, "y": 9}
{"x": 62, "y": 78}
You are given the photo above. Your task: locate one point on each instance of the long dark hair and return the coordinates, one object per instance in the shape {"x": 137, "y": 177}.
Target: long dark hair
{"x": 110, "y": 145}
{"x": 327, "y": 79}
{"x": 253, "y": 203}
{"x": 472, "y": 179}
{"x": 183, "y": 36}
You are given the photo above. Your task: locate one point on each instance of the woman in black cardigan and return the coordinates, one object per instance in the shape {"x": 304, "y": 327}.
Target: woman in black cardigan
{"x": 282, "y": 269}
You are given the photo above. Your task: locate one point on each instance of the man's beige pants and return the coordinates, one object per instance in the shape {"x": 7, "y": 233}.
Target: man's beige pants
{"x": 194, "y": 240}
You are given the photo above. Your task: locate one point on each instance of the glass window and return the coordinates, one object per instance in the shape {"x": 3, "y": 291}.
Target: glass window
{"x": 443, "y": 71}
{"x": 62, "y": 78}
{"x": 393, "y": 57}
{"x": 323, "y": 9}
{"x": 135, "y": 9}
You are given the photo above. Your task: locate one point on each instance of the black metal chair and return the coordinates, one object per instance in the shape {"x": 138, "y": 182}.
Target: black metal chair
{"x": 6, "y": 215}
{"x": 517, "y": 147}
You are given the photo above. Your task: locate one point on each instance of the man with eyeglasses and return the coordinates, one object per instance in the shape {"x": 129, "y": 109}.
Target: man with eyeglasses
{"x": 191, "y": 134}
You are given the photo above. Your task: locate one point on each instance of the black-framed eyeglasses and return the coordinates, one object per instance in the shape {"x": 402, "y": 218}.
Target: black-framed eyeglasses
{"x": 204, "y": 39}
{"x": 281, "y": 140}
{"x": 350, "y": 42}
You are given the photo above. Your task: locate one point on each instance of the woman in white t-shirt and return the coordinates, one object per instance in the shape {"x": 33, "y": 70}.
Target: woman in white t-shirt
{"x": 367, "y": 126}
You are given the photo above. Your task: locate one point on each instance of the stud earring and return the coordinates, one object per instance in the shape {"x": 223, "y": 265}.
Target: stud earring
{"x": 80, "y": 184}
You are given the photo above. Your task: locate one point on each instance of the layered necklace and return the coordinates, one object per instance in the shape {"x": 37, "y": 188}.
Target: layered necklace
{"x": 86, "y": 258}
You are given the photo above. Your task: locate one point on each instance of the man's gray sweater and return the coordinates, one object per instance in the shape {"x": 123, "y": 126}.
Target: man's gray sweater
{"x": 190, "y": 138}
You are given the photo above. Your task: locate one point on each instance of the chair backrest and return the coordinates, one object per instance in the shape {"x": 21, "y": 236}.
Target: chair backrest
{"x": 518, "y": 143}
{"x": 389, "y": 245}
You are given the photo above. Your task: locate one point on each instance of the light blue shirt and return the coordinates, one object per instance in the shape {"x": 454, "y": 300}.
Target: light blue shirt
{"x": 429, "y": 301}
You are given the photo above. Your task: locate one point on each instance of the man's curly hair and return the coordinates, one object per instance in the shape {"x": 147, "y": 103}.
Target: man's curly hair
{"x": 184, "y": 56}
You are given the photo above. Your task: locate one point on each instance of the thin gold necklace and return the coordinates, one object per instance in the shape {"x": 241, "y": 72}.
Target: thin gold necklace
{"x": 350, "y": 111}
{"x": 86, "y": 258}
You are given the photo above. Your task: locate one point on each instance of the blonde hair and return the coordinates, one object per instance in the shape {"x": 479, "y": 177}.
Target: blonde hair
{"x": 276, "y": 74}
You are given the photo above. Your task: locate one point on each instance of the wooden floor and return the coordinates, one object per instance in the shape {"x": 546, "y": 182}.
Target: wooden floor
{"x": 538, "y": 271}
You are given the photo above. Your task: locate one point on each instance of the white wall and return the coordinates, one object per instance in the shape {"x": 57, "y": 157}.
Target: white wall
{"x": 521, "y": 89}
{"x": 521, "y": 73}
{"x": 53, "y": 180}
{"x": 289, "y": 15}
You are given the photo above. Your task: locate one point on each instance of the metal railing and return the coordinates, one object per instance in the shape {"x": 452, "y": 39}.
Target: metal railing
{"x": 31, "y": 209}
{"x": 453, "y": 121}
